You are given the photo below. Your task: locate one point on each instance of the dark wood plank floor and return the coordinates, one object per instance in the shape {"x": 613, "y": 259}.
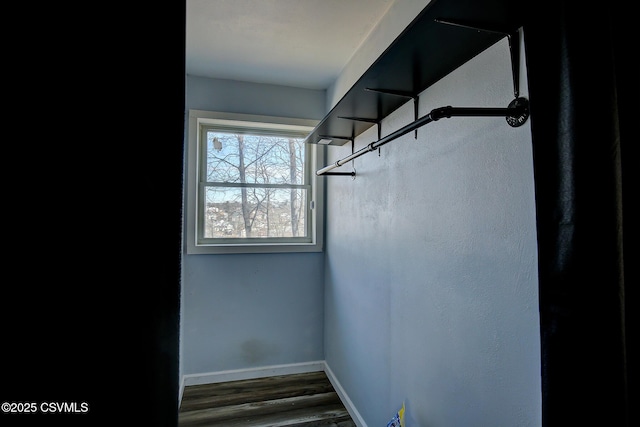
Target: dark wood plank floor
{"x": 307, "y": 400}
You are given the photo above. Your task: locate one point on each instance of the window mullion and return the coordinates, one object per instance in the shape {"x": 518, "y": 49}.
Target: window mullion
{"x": 250, "y": 185}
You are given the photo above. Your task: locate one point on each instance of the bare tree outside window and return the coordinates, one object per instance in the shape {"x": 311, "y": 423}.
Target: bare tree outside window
{"x": 255, "y": 186}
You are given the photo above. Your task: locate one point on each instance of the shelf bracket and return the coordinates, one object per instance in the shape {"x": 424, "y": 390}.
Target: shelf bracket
{"x": 347, "y": 138}
{"x": 404, "y": 94}
{"x": 513, "y": 38}
{"x": 514, "y": 51}
{"x": 353, "y": 147}
{"x": 359, "y": 119}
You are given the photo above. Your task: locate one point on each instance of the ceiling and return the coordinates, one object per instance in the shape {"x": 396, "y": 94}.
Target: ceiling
{"x": 299, "y": 43}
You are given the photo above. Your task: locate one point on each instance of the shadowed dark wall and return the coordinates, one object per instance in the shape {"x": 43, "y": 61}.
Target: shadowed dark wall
{"x": 90, "y": 302}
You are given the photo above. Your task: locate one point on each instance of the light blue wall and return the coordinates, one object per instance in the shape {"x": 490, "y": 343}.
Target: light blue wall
{"x": 427, "y": 291}
{"x": 254, "y": 98}
{"x": 247, "y": 311}
{"x": 431, "y": 292}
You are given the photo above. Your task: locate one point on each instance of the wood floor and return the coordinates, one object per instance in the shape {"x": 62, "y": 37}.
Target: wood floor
{"x": 307, "y": 400}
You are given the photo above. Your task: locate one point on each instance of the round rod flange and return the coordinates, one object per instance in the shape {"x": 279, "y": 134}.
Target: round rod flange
{"x": 521, "y": 112}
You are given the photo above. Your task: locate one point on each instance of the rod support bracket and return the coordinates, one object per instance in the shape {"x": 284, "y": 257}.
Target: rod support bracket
{"x": 520, "y": 114}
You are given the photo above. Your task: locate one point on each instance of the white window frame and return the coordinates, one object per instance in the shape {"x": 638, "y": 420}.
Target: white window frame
{"x": 200, "y": 118}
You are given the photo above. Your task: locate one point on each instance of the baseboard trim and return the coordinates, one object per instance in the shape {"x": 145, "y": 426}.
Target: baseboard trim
{"x": 355, "y": 415}
{"x": 249, "y": 373}
{"x": 270, "y": 371}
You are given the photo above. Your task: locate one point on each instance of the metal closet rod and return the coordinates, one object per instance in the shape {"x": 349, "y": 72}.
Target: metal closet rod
{"x": 436, "y": 114}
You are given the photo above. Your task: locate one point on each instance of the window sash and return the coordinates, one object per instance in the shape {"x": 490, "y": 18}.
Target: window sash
{"x": 306, "y": 221}
{"x": 203, "y": 185}
{"x": 199, "y": 119}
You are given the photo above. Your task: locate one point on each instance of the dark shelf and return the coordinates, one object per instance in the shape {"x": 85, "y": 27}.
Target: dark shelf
{"x": 445, "y": 35}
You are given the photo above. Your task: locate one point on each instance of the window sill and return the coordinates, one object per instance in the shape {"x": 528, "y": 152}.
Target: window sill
{"x": 254, "y": 249}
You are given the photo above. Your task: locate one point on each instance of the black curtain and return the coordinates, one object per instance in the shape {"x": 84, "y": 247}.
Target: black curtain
{"x": 583, "y": 95}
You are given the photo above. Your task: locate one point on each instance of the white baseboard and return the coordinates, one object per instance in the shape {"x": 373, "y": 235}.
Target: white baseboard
{"x": 355, "y": 415}
{"x": 270, "y": 371}
{"x": 249, "y": 373}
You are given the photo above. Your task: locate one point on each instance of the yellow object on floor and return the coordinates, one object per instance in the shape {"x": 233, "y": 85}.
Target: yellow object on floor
{"x": 398, "y": 419}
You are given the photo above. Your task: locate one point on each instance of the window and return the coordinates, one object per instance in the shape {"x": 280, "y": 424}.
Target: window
{"x": 251, "y": 185}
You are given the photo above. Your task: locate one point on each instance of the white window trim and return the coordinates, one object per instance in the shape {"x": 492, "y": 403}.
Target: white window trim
{"x": 198, "y": 117}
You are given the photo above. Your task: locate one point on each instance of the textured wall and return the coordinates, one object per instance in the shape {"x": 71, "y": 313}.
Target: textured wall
{"x": 431, "y": 274}
{"x": 247, "y": 311}
{"x": 232, "y": 96}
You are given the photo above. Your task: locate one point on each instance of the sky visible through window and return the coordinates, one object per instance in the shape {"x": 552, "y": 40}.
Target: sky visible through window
{"x": 255, "y": 186}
